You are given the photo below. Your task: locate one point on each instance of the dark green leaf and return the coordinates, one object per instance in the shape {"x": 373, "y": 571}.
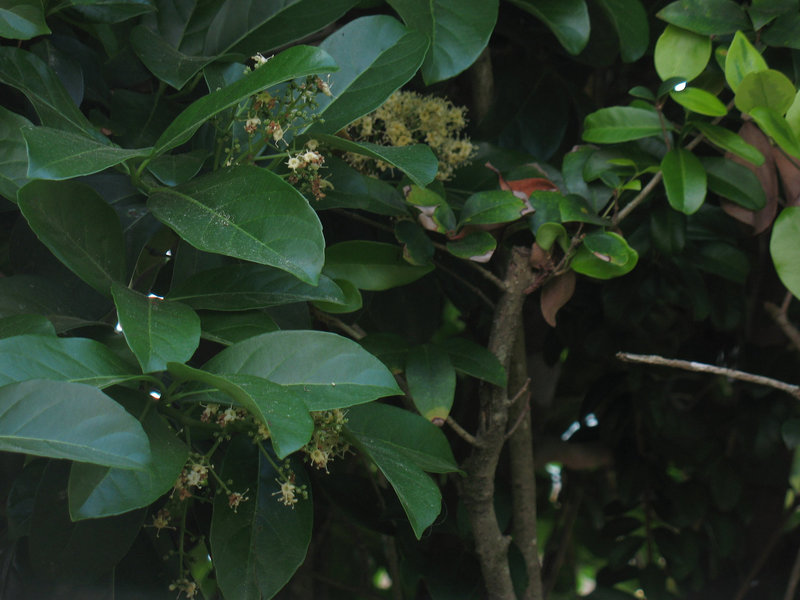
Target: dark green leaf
{"x": 567, "y": 19}
{"x": 79, "y": 360}
{"x": 55, "y": 154}
{"x": 166, "y": 62}
{"x": 290, "y": 64}
{"x": 741, "y": 60}
{"x": 246, "y": 212}
{"x": 158, "y": 331}
{"x": 371, "y": 265}
{"x": 175, "y": 169}
{"x": 684, "y": 180}
{"x": 279, "y": 407}
{"x": 417, "y": 161}
{"x": 475, "y": 360}
{"x": 432, "y": 381}
{"x": 768, "y": 88}
{"x": 575, "y": 209}
{"x": 620, "y": 124}
{"x": 417, "y": 246}
{"x": 723, "y": 260}
{"x": 476, "y": 245}
{"x": 25, "y": 324}
{"x": 630, "y": 22}
{"x": 709, "y": 17}
{"x": 735, "y": 182}
{"x": 78, "y": 227}
{"x": 259, "y": 547}
{"x": 70, "y": 420}
{"x": 494, "y": 206}
{"x": 327, "y": 370}
{"x": 13, "y": 155}
{"x": 784, "y": 31}
{"x": 778, "y": 128}
{"x": 458, "y": 29}
{"x": 681, "y": 53}
{"x": 604, "y": 255}
{"x": 700, "y": 101}
{"x": 111, "y": 11}
{"x": 376, "y": 55}
{"x": 230, "y": 327}
{"x": 784, "y": 248}
{"x": 22, "y": 20}
{"x": 390, "y": 348}
{"x": 27, "y": 294}
{"x": 790, "y": 431}
{"x": 730, "y": 142}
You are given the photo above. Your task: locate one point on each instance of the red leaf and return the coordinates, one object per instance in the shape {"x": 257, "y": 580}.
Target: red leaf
{"x": 555, "y": 294}
{"x": 523, "y": 188}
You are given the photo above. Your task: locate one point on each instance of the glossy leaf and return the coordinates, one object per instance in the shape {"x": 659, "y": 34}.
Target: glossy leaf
{"x": 431, "y": 381}
{"x": 784, "y": 248}
{"x": 290, "y": 64}
{"x": 403, "y": 445}
{"x": 734, "y": 182}
{"x": 769, "y": 89}
{"x": 742, "y": 59}
{"x": 567, "y": 19}
{"x": 230, "y": 327}
{"x": 574, "y": 209}
{"x": 604, "y": 255}
{"x": 730, "y": 142}
{"x": 248, "y": 286}
{"x": 279, "y": 407}
{"x": 629, "y": 20}
{"x": 13, "y": 155}
{"x": 549, "y": 233}
{"x": 22, "y": 20}
{"x": 55, "y": 154}
{"x": 70, "y": 420}
{"x": 258, "y": 547}
{"x": 327, "y": 370}
{"x": 166, "y": 62}
{"x": 371, "y": 266}
{"x": 96, "y": 491}
{"x": 495, "y": 206}
{"x": 709, "y": 17}
{"x": 246, "y": 212}
{"x": 700, "y": 101}
{"x": 25, "y": 324}
{"x": 158, "y": 331}
{"x": 417, "y": 161}
{"x": 78, "y": 360}
{"x": 476, "y": 245}
{"x": 351, "y": 303}
{"x": 458, "y": 29}
{"x": 620, "y": 124}
{"x": 684, "y": 180}
{"x": 376, "y": 55}
{"x": 473, "y": 359}
{"x": 776, "y": 127}
{"x": 175, "y": 169}
{"x": 78, "y": 227}
{"x": 681, "y": 53}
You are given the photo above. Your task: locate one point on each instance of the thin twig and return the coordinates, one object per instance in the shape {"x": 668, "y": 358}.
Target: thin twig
{"x": 520, "y": 418}
{"x": 473, "y": 288}
{"x": 363, "y": 219}
{"x": 520, "y": 391}
{"x": 789, "y": 330}
{"x": 794, "y": 579}
{"x": 687, "y": 365}
{"x": 640, "y": 197}
{"x": 354, "y": 331}
{"x": 461, "y": 432}
{"x": 787, "y": 300}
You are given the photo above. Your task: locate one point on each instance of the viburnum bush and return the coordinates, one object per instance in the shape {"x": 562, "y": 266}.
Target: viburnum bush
{"x": 340, "y": 299}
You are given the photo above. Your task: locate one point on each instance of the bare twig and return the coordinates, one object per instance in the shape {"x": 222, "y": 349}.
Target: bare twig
{"x": 473, "y": 288}
{"x": 461, "y": 432}
{"x": 779, "y": 316}
{"x": 640, "y": 197}
{"x": 687, "y": 365}
{"x": 523, "y": 388}
{"x": 523, "y": 413}
{"x": 354, "y": 331}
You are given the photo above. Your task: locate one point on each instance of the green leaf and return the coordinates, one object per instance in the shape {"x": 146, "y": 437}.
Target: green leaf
{"x": 279, "y": 407}
{"x": 158, "y": 331}
{"x": 700, "y": 101}
{"x": 79, "y": 360}
{"x": 790, "y": 432}
{"x": 404, "y": 445}
{"x": 730, "y": 142}
{"x": 373, "y": 266}
{"x": 78, "y": 227}
{"x": 56, "y": 154}
{"x": 604, "y": 255}
{"x": 709, "y": 17}
{"x": 258, "y": 548}
{"x": 111, "y": 11}
{"x": 13, "y": 155}
{"x": 741, "y": 60}
{"x": 681, "y": 53}
{"x": 96, "y": 491}
{"x": 417, "y": 161}
{"x": 352, "y": 299}
{"x": 567, "y": 19}
{"x": 476, "y": 245}
{"x": 620, "y": 124}
{"x": 376, "y": 56}
{"x": 735, "y": 182}
{"x": 549, "y": 233}
{"x": 327, "y": 370}
{"x": 776, "y": 127}
{"x": 784, "y": 31}
{"x": 25, "y": 324}
{"x": 175, "y": 169}
{"x": 684, "y": 180}
{"x": 247, "y": 286}
{"x": 431, "y": 381}
{"x": 22, "y": 19}
{"x": 475, "y": 360}
{"x": 70, "y": 420}
{"x": 230, "y": 327}
{"x": 769, "y": 88}
{"x": 290, "y": 64}
{"x": 574, "y": 209}
{"x": 629, "y": 20}
{"x": 30, "y": 75}
{"x": 246, "y": 212}
{"x": 784, "y": 248}
{"x": 494, "y": 206}
{"x": 723, "y": 260}
{"x": 417, "y": 246}
{"x": 166, "y": 62}
{"x": 458, "y": 29}
{"x": 792, "y": 117}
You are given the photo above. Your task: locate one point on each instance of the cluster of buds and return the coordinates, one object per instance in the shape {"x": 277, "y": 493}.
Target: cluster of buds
{"x": 161, "y": 520}
{"x": 236, "y": 498}
{"x": 193, "y": 477}
{"x": 305, "y": 167}
{"x": 327, "y": 440}
{"x": 184, "y": 586}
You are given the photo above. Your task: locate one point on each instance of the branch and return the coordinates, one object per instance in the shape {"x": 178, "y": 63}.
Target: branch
{"x": 354, "y": 331}
{"x": 461, "y": 432}
{"x": 779, "y": 316}
{"x": 640, "y": 197}
{"x": 697, "y": 367}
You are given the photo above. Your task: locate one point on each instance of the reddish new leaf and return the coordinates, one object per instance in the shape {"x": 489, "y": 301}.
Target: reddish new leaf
{"x": 789, "y": 172}
{"x": 555, "y": 294}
